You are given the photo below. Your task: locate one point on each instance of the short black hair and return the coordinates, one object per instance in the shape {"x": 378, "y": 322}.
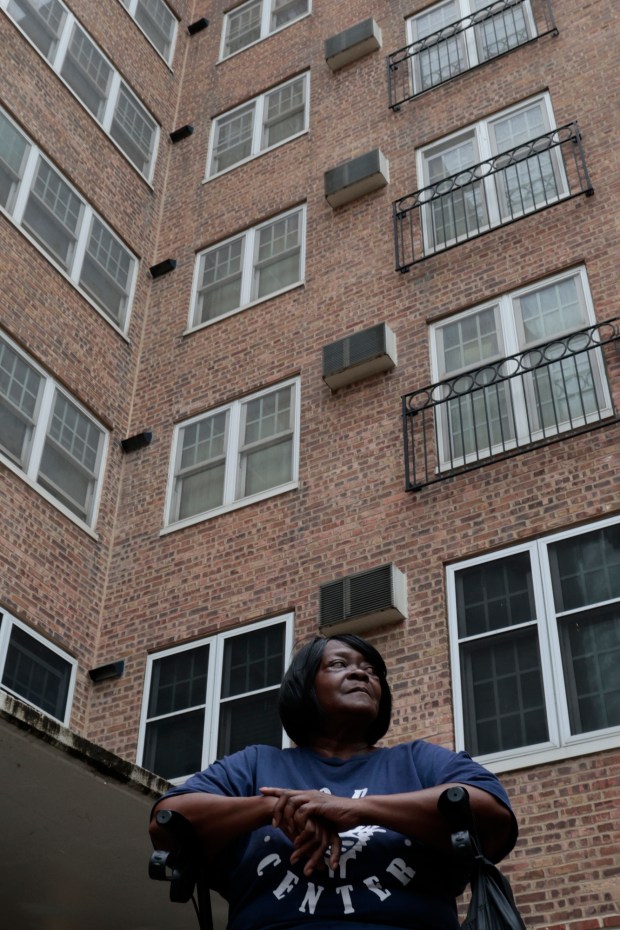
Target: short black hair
{"x": 300, "y": 712}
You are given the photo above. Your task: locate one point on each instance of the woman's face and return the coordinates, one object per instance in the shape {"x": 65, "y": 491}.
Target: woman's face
{"x": 346, "y": 685}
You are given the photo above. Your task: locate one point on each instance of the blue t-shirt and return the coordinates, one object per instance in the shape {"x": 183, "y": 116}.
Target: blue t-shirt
{"x": 384, "y": 879}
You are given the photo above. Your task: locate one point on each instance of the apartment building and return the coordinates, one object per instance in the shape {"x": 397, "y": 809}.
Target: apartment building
{"x": 309, "y": 323}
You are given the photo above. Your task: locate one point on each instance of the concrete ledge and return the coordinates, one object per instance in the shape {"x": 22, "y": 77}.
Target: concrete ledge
{"x": 39, "y": 727}
{"x": 352, "y": 43}
{"x": 354, "y": 178}
{"x": 74, "y": 826}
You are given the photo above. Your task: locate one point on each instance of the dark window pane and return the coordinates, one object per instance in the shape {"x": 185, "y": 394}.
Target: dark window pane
{"x": 248, "y": 721}
{"x": 179, "y": 681}
{"x": 503, "y": 693}
{"x": 36, "y": 673}
{"x": 495, "y": 595}
{"x": 591, "y": 658}
{"x": 253, "y": 660}
{"x": 585, "y": 569}
{"x": 173, "y": 746}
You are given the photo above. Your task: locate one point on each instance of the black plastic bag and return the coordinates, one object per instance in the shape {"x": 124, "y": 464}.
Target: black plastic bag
{"x": 492, "y": 905}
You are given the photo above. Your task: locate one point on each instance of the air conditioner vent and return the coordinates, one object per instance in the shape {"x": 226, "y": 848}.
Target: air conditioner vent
{"x": 357, "y": 356}
{"x": 366, "y": 599}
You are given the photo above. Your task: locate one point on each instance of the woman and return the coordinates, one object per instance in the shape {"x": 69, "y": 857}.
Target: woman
{"x": 337, "y": 832}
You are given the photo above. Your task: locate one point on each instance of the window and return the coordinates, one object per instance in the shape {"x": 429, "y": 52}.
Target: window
{"x": 257, "y": 19}
{"x": 87, "y": 72}
{"x": 47, "y": 437}
{"x": 211, "y": 698}
{"x": 42, "y": 22}
{"x": 14, "y": 150}
{"x": 470, "y": 202}
{"x": 34, "y": 670}
{"x": 548, "y": 397}
{"x": 132, "y": 128}
{"x": 157, "y": 22}
{"x": 235, "y": 455}
{"x": 66, "y": 229}
{"x": 72, "y": 54}
{"x": 259, "y": 263}
{"x": 457, "y": 35}
{"x": 53, "y": 213}
{"x": 259, "y": 125}
{"x": 536, "y": 647}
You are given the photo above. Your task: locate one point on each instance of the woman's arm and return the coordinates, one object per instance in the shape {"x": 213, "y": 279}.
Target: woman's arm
{"x": 217, "y": 820}
{"x": 413, "y": 813}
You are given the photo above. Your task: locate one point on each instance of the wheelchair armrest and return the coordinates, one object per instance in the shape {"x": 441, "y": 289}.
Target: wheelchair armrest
{"x": 180, "y": 866}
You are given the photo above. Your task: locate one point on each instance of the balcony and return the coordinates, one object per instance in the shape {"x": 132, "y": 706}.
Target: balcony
{"x": 494, "y": 193}
{"x": 508, "y": 407}
{"x": 460, "y": 46}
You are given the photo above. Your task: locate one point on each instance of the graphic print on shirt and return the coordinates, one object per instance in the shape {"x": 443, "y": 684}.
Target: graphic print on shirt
{"x": 353, "y": 842}
{"x": 363, "y": 866}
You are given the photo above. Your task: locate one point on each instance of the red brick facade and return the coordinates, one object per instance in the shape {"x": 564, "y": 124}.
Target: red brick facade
{"x": 127, "y": 590}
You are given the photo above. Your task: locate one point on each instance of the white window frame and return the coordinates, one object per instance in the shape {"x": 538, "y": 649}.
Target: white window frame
{"x": 212, "y": 701}
{"x": 88, "y": 216}
{"x": 265, "y": 24}
{"x": 259, "y": 105}
{"x": 131, "y": 7}
{"x": 232, "y": 458}
{"x": 117, "y": 86}
{"x": 49, "y": 388}
{"x": 509, "y": 345}
{"x": 250, "y": 240}
{"x": 466, "y": 41}
{"x": 481, "y": 134}
{"x": 8, "y": 624}
{"x": 561, "y": 743}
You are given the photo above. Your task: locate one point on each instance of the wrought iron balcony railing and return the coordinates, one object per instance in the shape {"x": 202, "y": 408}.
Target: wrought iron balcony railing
{"x": 507, "y": 407}
{"x": 484, "y": 35}
{"x": 494, "y": 193}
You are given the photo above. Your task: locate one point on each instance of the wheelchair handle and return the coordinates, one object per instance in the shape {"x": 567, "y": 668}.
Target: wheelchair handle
{"x": 454, "y": 805}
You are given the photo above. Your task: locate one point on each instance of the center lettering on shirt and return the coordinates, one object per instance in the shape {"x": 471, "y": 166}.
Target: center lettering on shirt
{"x": 354, "y": 844}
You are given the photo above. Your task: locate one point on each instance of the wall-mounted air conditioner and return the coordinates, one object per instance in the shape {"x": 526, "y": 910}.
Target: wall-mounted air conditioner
{"x": 352, "y": 43}
{"x": 356, "y": 177}
{"x": 357, "y": 356}
{"x": 364, "y": 600}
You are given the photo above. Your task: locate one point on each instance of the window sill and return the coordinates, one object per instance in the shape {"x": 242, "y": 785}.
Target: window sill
{"x": 250, "y": 158}
{"x": 253, "y": 303}
{"x": 528, "y": 758}
{"x": 228, "y": 508}
{"x": 50, "y": 498}
{"x": 224, "y": 58}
